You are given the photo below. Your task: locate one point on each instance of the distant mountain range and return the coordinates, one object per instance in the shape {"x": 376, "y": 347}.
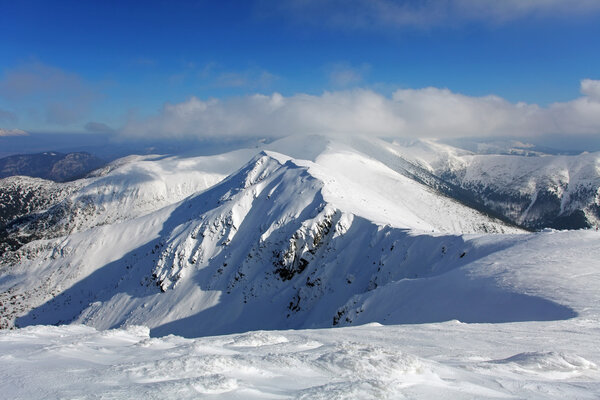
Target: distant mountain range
{"x": 59, "y": 167}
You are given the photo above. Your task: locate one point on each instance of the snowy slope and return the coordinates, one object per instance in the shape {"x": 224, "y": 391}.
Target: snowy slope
{"x": 22, "y": 195}
{"x": 310, "y": 233}
{"x": 552, "y": 186}
{"x": 125, "y": 189}
{"x": 282, "y": 243}
{"x": 507, "y": 276}
{"x": 535, "y": 191}
{"x": 138, "y": 185}
{"x": 543, "y": 276}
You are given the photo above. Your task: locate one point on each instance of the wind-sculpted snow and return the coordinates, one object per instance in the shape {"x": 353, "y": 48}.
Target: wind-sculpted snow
{"x": 449, "y": 360}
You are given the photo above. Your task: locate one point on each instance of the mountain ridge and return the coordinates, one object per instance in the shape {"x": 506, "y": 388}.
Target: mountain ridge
{"x": 282, "y": 242}
{"x": 50, "y": 165}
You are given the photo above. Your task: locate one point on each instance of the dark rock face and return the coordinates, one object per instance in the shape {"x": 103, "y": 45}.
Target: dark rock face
{"x": 54, "y": 166}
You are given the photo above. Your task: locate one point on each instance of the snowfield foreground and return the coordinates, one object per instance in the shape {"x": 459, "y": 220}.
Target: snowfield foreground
{"x": 450, "y": 360}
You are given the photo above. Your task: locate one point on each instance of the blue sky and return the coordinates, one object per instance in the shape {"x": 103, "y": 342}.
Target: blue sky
{"x": 77, "y": 66}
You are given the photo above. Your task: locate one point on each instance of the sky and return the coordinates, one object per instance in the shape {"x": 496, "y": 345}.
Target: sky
{"x": 445, "y": 68}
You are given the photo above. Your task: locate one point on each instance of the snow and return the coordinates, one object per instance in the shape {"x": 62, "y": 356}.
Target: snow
{"x": 309, "y": 234}
{"x": 226, "y": 255}
{"x": 574, "y": 180}
{"x": 139, "y": 185}
{"x": 368, "y": 188}
{"x": 534, "y": 360}
{"x": 543, "y": 276}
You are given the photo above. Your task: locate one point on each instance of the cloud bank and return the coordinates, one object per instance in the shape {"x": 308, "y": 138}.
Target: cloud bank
{"x": 427, "y": 112}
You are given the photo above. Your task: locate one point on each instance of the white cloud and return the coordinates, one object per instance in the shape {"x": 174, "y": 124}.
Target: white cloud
{"x": 12, "y": 132}
{"x": 344, "y": 74}
{"x": 375, "y": 14}
{"x": 591, "y": 88}
{"x": 274, "y": 115}
{"x": 428, "y": 112}
{"x": 578, "y": 116}
{"x": 442, "y": 113}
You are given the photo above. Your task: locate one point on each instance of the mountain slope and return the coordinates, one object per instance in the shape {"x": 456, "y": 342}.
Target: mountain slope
{"x": 125, "y": 189}
{"x": 20, "y": 198}
{"x": 281, "y": 243}
{"x": 279, "y": 237}
{"x": 21, "y": 195}
{"x": 312, "y": 233}
{"x": 53, "y": 166}
{"x": 538, "y": 191}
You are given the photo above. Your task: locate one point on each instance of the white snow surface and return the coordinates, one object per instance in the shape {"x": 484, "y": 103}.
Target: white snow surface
{"x": 137, "y": 185}
{"x": 227, "y": 253}
{"x": 308, "y": 234}
{"x": 450, "y": 360}
{"x": 568, "y": 177}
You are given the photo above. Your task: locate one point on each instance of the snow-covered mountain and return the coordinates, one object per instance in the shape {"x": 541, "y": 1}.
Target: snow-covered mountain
{"x": 51, "y": 165}
{"x": 310, "y": 232}
{"x": 534, "y": 191}
{"x": 32, "y": 208}
{"x": 307, "y": 232}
